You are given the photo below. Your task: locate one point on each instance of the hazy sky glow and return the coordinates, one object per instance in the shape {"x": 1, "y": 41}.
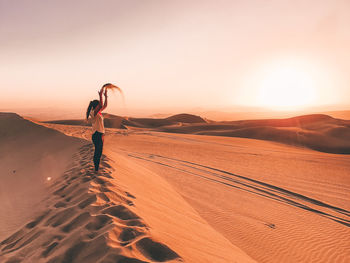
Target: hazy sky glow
{"x": 175, "y": 53}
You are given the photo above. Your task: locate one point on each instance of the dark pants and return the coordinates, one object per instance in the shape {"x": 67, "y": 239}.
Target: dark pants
{"x": 98, "y": 142}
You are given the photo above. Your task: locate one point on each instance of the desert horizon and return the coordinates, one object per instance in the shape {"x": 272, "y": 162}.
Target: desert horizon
{"x": 215, "y": 114}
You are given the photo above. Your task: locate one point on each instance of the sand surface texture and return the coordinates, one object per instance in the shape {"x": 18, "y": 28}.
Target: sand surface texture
{"x": 277, "y": 202}
{"x": 126, "y": 214}
{"x": 31, "y": 157}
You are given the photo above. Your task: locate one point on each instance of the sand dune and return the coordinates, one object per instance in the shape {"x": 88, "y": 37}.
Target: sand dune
{"x": 276, "y": 202}
{"x": 186, "y": 118}
{"x": 201, "y": 198}
{"x": 159, "y": 122}
{"x": 85, "y": 221}
{"x": 80, "y": 122}
{"x": 30, "y": 156}
{"x": 317, "y": 131}
{"x": 344, "y": 114}
{"x": 125, "y": 214}
{"x": 114, "y": 121}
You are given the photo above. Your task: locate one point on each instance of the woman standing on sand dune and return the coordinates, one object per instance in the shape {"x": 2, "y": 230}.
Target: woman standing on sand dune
{"x": 94, "y": 111}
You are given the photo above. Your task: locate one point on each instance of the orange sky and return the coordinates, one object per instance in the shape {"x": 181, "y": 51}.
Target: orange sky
{"x": 207, "y": 54}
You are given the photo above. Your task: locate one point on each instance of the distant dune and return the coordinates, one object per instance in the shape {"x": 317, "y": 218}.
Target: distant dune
{"x": 114, "y": 121}
{"x": 260, "y": 113}
{"x": 319, "y": 132}
{"x": 159, "y": 122}
{"x": 80, "y": 122}
{"x": 315, "y": 131}
{"x": 186, "y": 118}
{"x": 344, "y": 114}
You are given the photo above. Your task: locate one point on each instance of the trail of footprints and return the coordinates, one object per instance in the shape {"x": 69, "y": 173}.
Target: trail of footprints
{"x": 86, "y": 222}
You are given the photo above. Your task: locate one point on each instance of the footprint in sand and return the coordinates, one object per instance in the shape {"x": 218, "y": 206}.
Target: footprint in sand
{"x": 36, "y": 221}
{"x": 98, "y": 222}
{"x": 84, "y": 210}
{"x": 155, "y": 251}
{"x": 76, "y": 222}
{"x": 129, "y": 234}
{"x": 88, "y": 201}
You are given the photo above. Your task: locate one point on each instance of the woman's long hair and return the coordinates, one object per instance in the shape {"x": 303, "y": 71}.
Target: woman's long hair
{"x": 92, "y": 105}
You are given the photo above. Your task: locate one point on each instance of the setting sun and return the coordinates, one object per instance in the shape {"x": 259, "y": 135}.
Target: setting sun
{"x": 289, "y": 83}
{"x": 286, "y": 87}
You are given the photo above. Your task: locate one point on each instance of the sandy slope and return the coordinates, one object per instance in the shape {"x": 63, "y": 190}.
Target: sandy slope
{"x": 127, "y": 214}
{"x": 278, "y": 203}
{"x": 29, "y": 156}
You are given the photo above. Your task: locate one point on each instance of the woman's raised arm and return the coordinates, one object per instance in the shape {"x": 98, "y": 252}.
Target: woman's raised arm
{"x": 99, "y": 106}
{"x": 105, "y": 104}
